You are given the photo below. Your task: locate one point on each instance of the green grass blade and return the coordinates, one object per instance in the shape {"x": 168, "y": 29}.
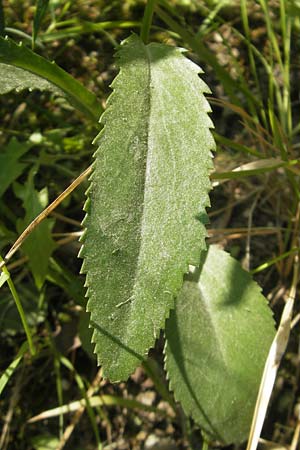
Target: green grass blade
{"x": 85, "y": 27}
{"x": 286, "y": 30}
{"x": 254, "y": 168}
{"x": 236, "y": 146}
{"x": 244, "y": 16}
{"x": 211, "y": 20}
{"x": 275, "y": 260}
{"x": 95, "y": 401}
{"x": 41, "y": 9}
{"x": 272, "y": 34}
{"x": 20, "y": 309}
{"x": 6, "y": 375}
{"x": 147, "y": 21}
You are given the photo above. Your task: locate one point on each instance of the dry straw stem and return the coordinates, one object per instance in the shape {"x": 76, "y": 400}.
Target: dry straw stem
{"x": 296, "y": 436}
{"x": 45, "y": 213}
{"x": 276, "y": 352}
{"x": 99, "y": 400}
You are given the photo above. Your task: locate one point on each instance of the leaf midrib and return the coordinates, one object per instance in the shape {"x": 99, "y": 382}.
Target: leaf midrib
{"x": 214, "y": 325}
{"x": 131, "y": 303}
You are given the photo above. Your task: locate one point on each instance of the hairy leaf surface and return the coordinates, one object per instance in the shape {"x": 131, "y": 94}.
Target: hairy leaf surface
{"x": 16, "y": 79}
{"x": 146, "y": 204}
{"x": 38, "y": 69}
{"x": 217, "y": 341}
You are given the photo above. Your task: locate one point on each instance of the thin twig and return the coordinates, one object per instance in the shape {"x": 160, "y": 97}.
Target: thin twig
{"x": 66, "y": 219}
{"x": 45, "y": 213}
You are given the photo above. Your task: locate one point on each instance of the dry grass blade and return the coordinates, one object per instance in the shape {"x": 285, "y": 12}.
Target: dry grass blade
{"x": 276, "y": 352}
{"x": 296, "y": 436}
{"x": 103, "y": 400}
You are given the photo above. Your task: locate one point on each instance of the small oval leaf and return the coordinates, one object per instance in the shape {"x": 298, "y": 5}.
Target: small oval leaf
{"x": 217, "y": 341}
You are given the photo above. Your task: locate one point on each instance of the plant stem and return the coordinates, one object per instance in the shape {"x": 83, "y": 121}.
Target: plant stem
{"x": 272, "y": 261}
{"x": 20, "y": 309}
{"x": 147, "y": 20}
{"x": 205, "y": 445}
{"x": 2, "y": 21}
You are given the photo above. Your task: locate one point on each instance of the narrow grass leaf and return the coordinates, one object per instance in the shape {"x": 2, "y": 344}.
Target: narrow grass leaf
{"x": 20, "y": 309}
{"x": 254, "y": 168}
{"x": 95, "y": 401}
{"x": 217, "y": 341}
{"x": 146, "y": 205}
{"x": 41, "y": 9}
{"x": 7, "y": 374}
{"x": 232, "y": 145}
{"x": 85, "y": 27}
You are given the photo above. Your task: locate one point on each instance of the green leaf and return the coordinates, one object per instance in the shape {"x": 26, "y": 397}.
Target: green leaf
{"x": 11, "y": 168}
{"x": 39, "y": 245}
{"x": 217, "y": 341}
{"x": 21, "y": 57}
{"x": 41, "y": 9}
{"x": 146, "y": 214}
{"x": 13, "y": 78}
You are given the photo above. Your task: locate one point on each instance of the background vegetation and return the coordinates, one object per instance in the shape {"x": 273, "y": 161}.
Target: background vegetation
{"x": 249, "y": 51}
